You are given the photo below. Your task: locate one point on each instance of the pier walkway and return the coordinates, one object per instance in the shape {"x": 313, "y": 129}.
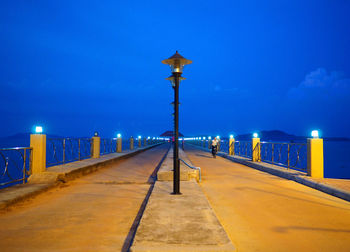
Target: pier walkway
{"x": 121, "y": 206}
{"x": 263, "y": 212}
{"x": 91, "y": 213}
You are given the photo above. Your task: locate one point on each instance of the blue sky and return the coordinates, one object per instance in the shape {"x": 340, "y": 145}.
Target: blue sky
{"x": 79, "y": 66}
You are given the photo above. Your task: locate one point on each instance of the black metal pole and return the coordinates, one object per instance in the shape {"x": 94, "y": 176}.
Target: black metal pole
{"x": 176, "y": 136}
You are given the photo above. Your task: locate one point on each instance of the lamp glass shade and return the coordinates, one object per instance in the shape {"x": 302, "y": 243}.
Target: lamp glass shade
{"x": 176, "y": 63}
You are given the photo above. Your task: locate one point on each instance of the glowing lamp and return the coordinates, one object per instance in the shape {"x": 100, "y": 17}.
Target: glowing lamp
{"x": 119, "y": 135}
{"x": 139, "y": 137}
{"x": 231, "y": 136}
{"x": 38, "y": 129}
{"x": 315, "y": 134}
{"x": 176, "y": 62}
{"x": 255, "y": 135}
{"x": 218, "y": 137}
{"x": 209, "y": 137}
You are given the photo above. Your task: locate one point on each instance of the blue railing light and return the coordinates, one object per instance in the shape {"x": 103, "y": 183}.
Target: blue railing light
{"x": 218, "y": 137}
{"x": 119, "y": 135}
{"x": 255, "y": 135}
{"x": 315, "y": 134}
{"x": 149, "y": 137}
{"x": 209, "y": 137}
{"x": 231, "y": 136}
{"x": 200, "y": 138}
{"x": 203, "y": 138}
{"x": 38, "y": 129}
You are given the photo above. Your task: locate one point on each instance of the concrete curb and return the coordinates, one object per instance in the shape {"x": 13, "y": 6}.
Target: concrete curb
{"x": 47, "y": 180}
{"x": 296, "y": 176}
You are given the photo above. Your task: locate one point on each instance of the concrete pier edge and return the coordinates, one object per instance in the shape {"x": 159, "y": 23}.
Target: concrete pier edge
{"x": 50, "y": 179}
{"x": 294, "y": 175}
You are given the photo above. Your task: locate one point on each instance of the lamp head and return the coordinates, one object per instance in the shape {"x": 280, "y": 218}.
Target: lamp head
{"x": 315, "y": 134}
{"x": 38, "y": 129}
{"x": 255, "y": 135}
{"x": 176, "y": 62}
{"x": 119, "y": 135}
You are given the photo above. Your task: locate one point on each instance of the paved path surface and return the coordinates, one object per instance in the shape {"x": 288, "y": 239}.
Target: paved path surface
{"x": 262, "y": 212}
{"x": 92, "y": 213}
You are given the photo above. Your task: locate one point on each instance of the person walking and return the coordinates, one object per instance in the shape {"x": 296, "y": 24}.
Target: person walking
{"x": 214, "y": 147}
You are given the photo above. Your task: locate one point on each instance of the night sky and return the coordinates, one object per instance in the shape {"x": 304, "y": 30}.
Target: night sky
{"x": 76, "y": 67}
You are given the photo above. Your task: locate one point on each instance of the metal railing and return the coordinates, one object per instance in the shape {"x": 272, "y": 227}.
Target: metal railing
{"x": 108, "y": 146}
{"x": 243, "y": 149}
{"x": 289, "y": 155}
{"x": 65, "y": 150}
{"x": 15, "y": 165}
{"x": 194, "y": 168}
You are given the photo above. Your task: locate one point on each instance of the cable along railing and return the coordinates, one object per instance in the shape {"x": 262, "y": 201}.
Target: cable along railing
{"x": 15, "y": 165}
{"x": 65, "y": 150}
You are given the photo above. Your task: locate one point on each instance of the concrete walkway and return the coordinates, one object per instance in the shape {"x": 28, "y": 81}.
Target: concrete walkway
{"x": 93, "y": 213}
{"x": 55, "y": 175}
{"x": 262, "y": 212}
{"x": 183, "y": 222}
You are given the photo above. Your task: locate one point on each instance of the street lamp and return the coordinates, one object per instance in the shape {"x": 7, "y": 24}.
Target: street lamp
{"x": 176, "y": 63}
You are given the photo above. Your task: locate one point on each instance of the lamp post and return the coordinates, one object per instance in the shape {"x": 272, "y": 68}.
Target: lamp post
{"x": 176, "y": 63}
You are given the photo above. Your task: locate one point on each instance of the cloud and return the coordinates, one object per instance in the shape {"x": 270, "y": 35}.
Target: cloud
{"x": 322, "y": 85}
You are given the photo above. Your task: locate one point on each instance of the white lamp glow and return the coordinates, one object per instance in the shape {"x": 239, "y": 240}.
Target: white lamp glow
{"x": 119, "y": 135}
{"x": 38, "y": 129}
{"x": 315, "y": 134}
{"x": 255, "y": 135}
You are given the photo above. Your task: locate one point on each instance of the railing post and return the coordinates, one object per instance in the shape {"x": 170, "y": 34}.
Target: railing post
{"x": 96, "y": 145}
{"x": 139, "y": 142}
{"x": 209, "y": 143}
{"x": 288, "y": 156}
{"x": 38, "y": 143}
{"x": 219, "y": 144}
{"x": 144, "y": 142}
{"x": 131, "y": 143}
{"x": 231, "y": 149}
{"x": 119, "y": 144}
{"x": 315, "y": 157}
{"x": 256, "y": 157}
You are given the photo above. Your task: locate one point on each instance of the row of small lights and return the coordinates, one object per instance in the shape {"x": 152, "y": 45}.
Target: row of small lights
{"x": 314, "y": 134}
{"x": 39, "y": 130}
